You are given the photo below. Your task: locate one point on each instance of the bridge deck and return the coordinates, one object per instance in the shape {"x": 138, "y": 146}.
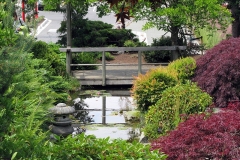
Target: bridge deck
{"x": 115, "y": 75}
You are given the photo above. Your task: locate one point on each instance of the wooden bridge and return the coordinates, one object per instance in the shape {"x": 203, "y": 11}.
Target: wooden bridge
{"x": 113, "y": 74}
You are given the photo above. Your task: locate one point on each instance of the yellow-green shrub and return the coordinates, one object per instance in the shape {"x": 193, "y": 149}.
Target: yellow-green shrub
{"x": 175, "y": 104}
{"x": 147, "y": 89}
{"x": 184, "y": 67}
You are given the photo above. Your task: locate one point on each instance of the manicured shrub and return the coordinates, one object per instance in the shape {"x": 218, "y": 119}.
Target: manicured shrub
{"x": 87, "y": 33}
{"x": 39, "y": 49}
{"x": 218, "y": 73}
{"x": 203, "y": 136}
{"x": 147, "y": 88}
{"x": 90, "y": 147}
{"x": 185, "y": 67}
{"x": 175, "y": 105}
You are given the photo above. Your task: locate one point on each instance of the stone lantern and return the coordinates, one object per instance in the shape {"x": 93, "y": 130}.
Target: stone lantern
{"x": 62, "y": 124}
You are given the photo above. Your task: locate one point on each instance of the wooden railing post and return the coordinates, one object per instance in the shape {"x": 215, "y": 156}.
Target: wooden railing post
{"x": 139, "y": 62}
{"x": 103, "y": 69}
{"x": 68, "y": 60}
{"x": 103, "y": 109}
{"x": 69, "y": 39}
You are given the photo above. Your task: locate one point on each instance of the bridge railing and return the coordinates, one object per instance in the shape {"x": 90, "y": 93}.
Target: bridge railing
{"x": 69, "y": 52}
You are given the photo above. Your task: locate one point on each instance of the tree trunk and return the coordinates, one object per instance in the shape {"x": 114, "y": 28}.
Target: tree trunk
{"x": 236, "y": 22}
{"x": 174, "y": 39}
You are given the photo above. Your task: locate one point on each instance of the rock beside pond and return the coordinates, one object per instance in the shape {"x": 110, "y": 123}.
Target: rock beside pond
{"x": 143, "y": 138}
{"x": 131, "y": 115}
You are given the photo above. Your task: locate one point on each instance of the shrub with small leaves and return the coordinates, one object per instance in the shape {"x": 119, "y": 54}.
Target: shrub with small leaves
{"x": 175, "y": 105}
{"x": 203, "y": 136}
{"x": 84, "y": 58}
{"x": 185, "y": 68}
{"x": 147, "y": 88}
{"x": 218, "y": 72}
{"x": 129, "y": 43}
{"x": 90, "y": 147}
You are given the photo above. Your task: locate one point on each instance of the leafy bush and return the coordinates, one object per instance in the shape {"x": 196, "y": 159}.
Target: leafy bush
{"x": 89, "y": 147}
{"x": 185, "y": 67}
{"x": 218, "y": 74}
{"x": 147, "y": 89}
{"x": 159, "y": 56}
{"x": 175, "y": 105}
{"x": 52, "y": 55}
{"x": 26, "y": 136}
{"x": 108, "y": 56}
{"x": 24, "y": 106}
{"x": 40, "y": 49}
{"x": 86, "y": 33}
{"x": 53, "y": 61}
{"x": 129, "y": 43}
{"x": 203, "y": 136}
{"x": 84, "y": 58}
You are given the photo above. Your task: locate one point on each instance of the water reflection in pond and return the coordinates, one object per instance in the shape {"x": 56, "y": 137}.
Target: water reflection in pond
{"x": 104, "y": 114}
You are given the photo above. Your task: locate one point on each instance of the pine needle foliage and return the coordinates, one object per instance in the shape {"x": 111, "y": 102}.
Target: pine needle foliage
{"x": 84, "y": 31}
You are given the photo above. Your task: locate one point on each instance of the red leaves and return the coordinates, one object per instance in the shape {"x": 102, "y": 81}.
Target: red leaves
{"x": 218, "y": 72}
{"x": 200, "y": 137}
{"x": 122, "y": 15}
{"x": 124, "y": 11}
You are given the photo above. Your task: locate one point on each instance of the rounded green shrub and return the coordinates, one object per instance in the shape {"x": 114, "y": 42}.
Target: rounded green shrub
{"x": 147, "y": 88}
{"x": 40, "y": 49}
{"x": 185, "y": 68}
{"x": 176, "y": 103}
{"x": 87, "y": 33}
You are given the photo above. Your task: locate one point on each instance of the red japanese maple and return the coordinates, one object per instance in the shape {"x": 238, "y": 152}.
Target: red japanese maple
{"x": 218, "y": 72}
{"x": 203, "y": 137}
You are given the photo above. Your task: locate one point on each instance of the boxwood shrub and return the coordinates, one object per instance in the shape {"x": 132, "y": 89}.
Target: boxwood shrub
{"x": 175, "y": 105}
{"x": 147, "y": 88}
{"x": 185, "y": 68}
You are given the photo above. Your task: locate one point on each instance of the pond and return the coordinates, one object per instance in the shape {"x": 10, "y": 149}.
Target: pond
{"x": 107, "y": 113}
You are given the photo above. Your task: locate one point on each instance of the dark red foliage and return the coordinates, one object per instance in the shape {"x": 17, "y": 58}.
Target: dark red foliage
{"x": 218, "y": 72}
{"x": 215, "y": 136}
{"x": 234, "y": 105}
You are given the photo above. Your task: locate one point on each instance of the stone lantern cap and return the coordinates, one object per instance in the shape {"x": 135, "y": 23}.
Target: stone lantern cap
{"x": 62, "y": 108}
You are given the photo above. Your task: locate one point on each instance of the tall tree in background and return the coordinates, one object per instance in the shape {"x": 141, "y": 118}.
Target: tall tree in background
{"x": 177, "y": 16}
{"x": 173, "y": 15}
